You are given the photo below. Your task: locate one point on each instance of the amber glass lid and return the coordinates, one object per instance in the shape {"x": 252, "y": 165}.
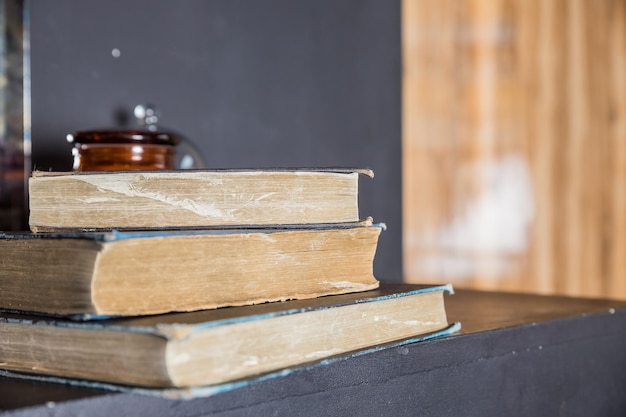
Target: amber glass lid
{"x": 111, "y": 136}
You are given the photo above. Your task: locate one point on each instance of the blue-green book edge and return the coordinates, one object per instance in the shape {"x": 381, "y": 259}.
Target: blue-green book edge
{"x": 112, "y": 235}
{"x": 194, "y": 321}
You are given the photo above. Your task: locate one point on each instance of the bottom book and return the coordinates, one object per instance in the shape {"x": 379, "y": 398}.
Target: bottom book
{"x": 223, "y": 347}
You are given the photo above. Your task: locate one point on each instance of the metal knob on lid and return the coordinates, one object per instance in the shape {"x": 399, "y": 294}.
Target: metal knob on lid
{"x": 147, "y": 116}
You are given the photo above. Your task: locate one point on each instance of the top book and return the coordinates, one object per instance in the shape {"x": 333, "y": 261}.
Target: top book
{"x": 192, "y": 198}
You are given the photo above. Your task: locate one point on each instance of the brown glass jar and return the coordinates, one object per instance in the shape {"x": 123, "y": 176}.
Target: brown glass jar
{"x": 121, "y": 150}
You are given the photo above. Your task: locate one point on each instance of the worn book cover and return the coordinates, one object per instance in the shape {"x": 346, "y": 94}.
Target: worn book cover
{"x": 199, "y": 353}
{"x": 134, "y": 273}
{"x": 193, "y": 198}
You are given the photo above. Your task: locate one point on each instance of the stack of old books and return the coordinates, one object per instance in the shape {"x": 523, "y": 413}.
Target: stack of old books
{"x": 191, "y": 279}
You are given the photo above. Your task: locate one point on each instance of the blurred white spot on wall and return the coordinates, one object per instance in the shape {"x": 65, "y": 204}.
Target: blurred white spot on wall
{"x": 488, "y": 229}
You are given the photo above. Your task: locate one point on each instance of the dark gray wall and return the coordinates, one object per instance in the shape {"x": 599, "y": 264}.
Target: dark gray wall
{"x": 252, "y": 83}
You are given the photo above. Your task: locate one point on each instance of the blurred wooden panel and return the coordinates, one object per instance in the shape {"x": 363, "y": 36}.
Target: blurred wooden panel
{"x": 514, "y": 144}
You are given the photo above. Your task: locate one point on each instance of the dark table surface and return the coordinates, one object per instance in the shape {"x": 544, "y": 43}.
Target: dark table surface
{"x": 516, "y": 354}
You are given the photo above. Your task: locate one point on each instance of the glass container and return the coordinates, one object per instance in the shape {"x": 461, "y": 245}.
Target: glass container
{"x": 120, "y": 150}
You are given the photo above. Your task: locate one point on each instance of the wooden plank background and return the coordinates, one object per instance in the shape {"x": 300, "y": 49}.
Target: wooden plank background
{"x": 514, "y": 145}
